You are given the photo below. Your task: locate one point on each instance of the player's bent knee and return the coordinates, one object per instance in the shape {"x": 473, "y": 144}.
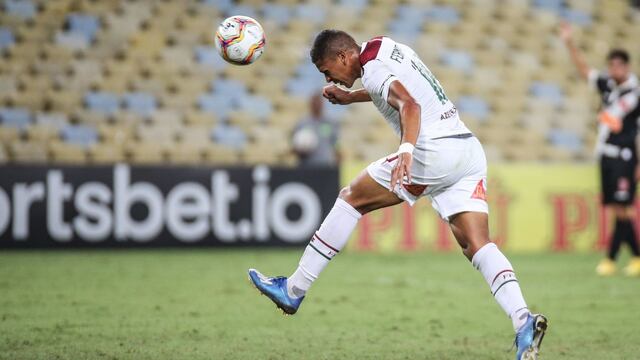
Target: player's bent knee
{"x": 353, "y": 198}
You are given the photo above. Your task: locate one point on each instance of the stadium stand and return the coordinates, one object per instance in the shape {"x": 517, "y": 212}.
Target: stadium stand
{"x": 86, "y": 81}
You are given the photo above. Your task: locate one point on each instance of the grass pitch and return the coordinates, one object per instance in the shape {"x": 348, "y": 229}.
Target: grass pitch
{"x": 198, "y": 304}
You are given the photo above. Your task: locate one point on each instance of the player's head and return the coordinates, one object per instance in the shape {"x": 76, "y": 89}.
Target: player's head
{"x": 337, "y": 55}
{"x": 618, "y": 65}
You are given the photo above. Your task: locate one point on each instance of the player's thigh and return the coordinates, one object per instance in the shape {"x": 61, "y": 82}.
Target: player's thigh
{"x": 471, "y": 230}
{"x": 618, "y": 183}
{"x": 366, "y": 195}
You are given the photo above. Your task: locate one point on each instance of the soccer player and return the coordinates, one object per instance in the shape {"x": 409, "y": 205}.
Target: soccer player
{"x": 615, "y": 148}
{"x": 438, "y": 157}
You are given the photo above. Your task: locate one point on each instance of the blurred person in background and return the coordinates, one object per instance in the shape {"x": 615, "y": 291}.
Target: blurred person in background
{"x": 315, "y": 137}
{"x": 616, "y": 147}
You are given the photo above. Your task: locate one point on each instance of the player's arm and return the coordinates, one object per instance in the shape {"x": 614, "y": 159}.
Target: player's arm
{"x": 337, "y": 95}
{"x": 576, "y": 55}
{"x": 400, "y": 99}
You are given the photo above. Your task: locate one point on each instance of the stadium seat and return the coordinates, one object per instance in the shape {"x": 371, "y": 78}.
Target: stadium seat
{"x": 15, "y": 117}
{"x": 7, "y": 39}
{"x": 23, "y": 9}
{"x": 104, "y": 102}
{"x": 146, "y": 152}
{"x": 79, "y": 135}
{"x": 28, "y": 152}
{"x": 66, "y": 153}
{"x": 186, "y": 154}
{"x": 9, "y": 134}
{"x": 229, "y": 135}
{"x": 220, "y": 155}
{"x": 84, "y": 24}
{"x": 143, "y": 104}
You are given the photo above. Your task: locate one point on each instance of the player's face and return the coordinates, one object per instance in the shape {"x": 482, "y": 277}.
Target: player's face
{"x": 337, "y": 70}
{"x": 618, "y": 70}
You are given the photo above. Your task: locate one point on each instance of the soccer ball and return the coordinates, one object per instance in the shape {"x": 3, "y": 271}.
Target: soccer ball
{"x": 240, "y": 40}
{"x": 305, "y": 141}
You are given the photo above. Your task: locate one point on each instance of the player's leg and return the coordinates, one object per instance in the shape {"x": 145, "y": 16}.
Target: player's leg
{"x": 608, "y": 188}
{"x": 471, "y": 230}
{"x": 618, "y": 192}
{"x": 362, "y": 196}
{"x": 625, "y": 233}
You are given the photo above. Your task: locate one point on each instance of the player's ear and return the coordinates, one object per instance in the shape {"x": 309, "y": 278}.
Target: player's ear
{"x": 342, "y": 57}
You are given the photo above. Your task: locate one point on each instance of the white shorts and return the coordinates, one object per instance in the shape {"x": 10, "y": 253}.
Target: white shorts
{"x": 452, "y": 172}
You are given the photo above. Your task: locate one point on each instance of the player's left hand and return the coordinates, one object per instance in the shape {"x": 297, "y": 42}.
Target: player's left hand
{"x": 402, "y": 170}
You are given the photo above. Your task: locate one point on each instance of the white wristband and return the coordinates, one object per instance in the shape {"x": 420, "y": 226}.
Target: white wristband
{"x": 406, "y": 148}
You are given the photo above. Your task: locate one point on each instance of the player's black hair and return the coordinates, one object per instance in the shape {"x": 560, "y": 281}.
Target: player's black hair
{"x": 619, "y": 54}
{"x": 328, "y": 42}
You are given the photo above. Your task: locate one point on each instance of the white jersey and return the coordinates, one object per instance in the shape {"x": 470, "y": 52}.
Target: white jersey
{"x": 384, "y": 61}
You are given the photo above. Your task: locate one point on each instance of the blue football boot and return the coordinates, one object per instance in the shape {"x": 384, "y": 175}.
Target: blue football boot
{"x": 276, "y": 289}
{"x": 529, "y": 337}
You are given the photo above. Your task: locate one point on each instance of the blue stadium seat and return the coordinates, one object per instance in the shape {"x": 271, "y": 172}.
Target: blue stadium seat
{"x": 565, "y": 139}
{"x": 104, "y": 102}
{"x": 357, "y": 5}
{"x": 312, "y": 13}
{"x": 474, "y": 106}
{"x": 443, "y": 14}
{"x": 82, "y": 135}
{"x": 15, "y": 117}
{"x": 229, "y": 87}
{"x": 222, "y": 5}
{"x": 550, "y": 5}
{"x": 208, "y": 55}
{"x": 229, "y": 135}
{"x": 256, "y": 105}
{"x": 458, "y": 59}
{"x": 140, "y": 103}
{"x": 306, "y": 86}
{"x": 547, "y": 91}
{"x": 221, "y": 105}
{"x": 402, "y": 27}
{"x": 245, "y": 10}
{"x": 334, "y": 111}
{"x": 6, "y": 38}
{"x": 85, "y": 24}
{"x": 54, "y": 120}
{"x": 411, "y": 14}
{"x": 71, "y": 40}
{"x": 577, "y": 17}
{"x": 24, "y": 9}
{"x": 279, "y": 14}
{"x": 307, "y": 69}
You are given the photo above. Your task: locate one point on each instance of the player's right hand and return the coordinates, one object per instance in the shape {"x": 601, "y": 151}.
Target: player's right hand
{"x": 336, "y": 95}
{"x": 566, "y": 33}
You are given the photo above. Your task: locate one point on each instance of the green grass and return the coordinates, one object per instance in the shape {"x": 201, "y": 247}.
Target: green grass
{"x": 199, "y": 305}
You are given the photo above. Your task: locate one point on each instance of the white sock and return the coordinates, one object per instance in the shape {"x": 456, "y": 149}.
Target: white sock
{"x": 324, "y": 245}
{"x": 498, "y": 273}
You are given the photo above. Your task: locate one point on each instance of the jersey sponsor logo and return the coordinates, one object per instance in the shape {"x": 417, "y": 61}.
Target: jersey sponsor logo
{"x": 370, "y": 51}
{"x": 479, "y": 193}
{"x": 623, "y": 184}
{"x": 449, "y": 113}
